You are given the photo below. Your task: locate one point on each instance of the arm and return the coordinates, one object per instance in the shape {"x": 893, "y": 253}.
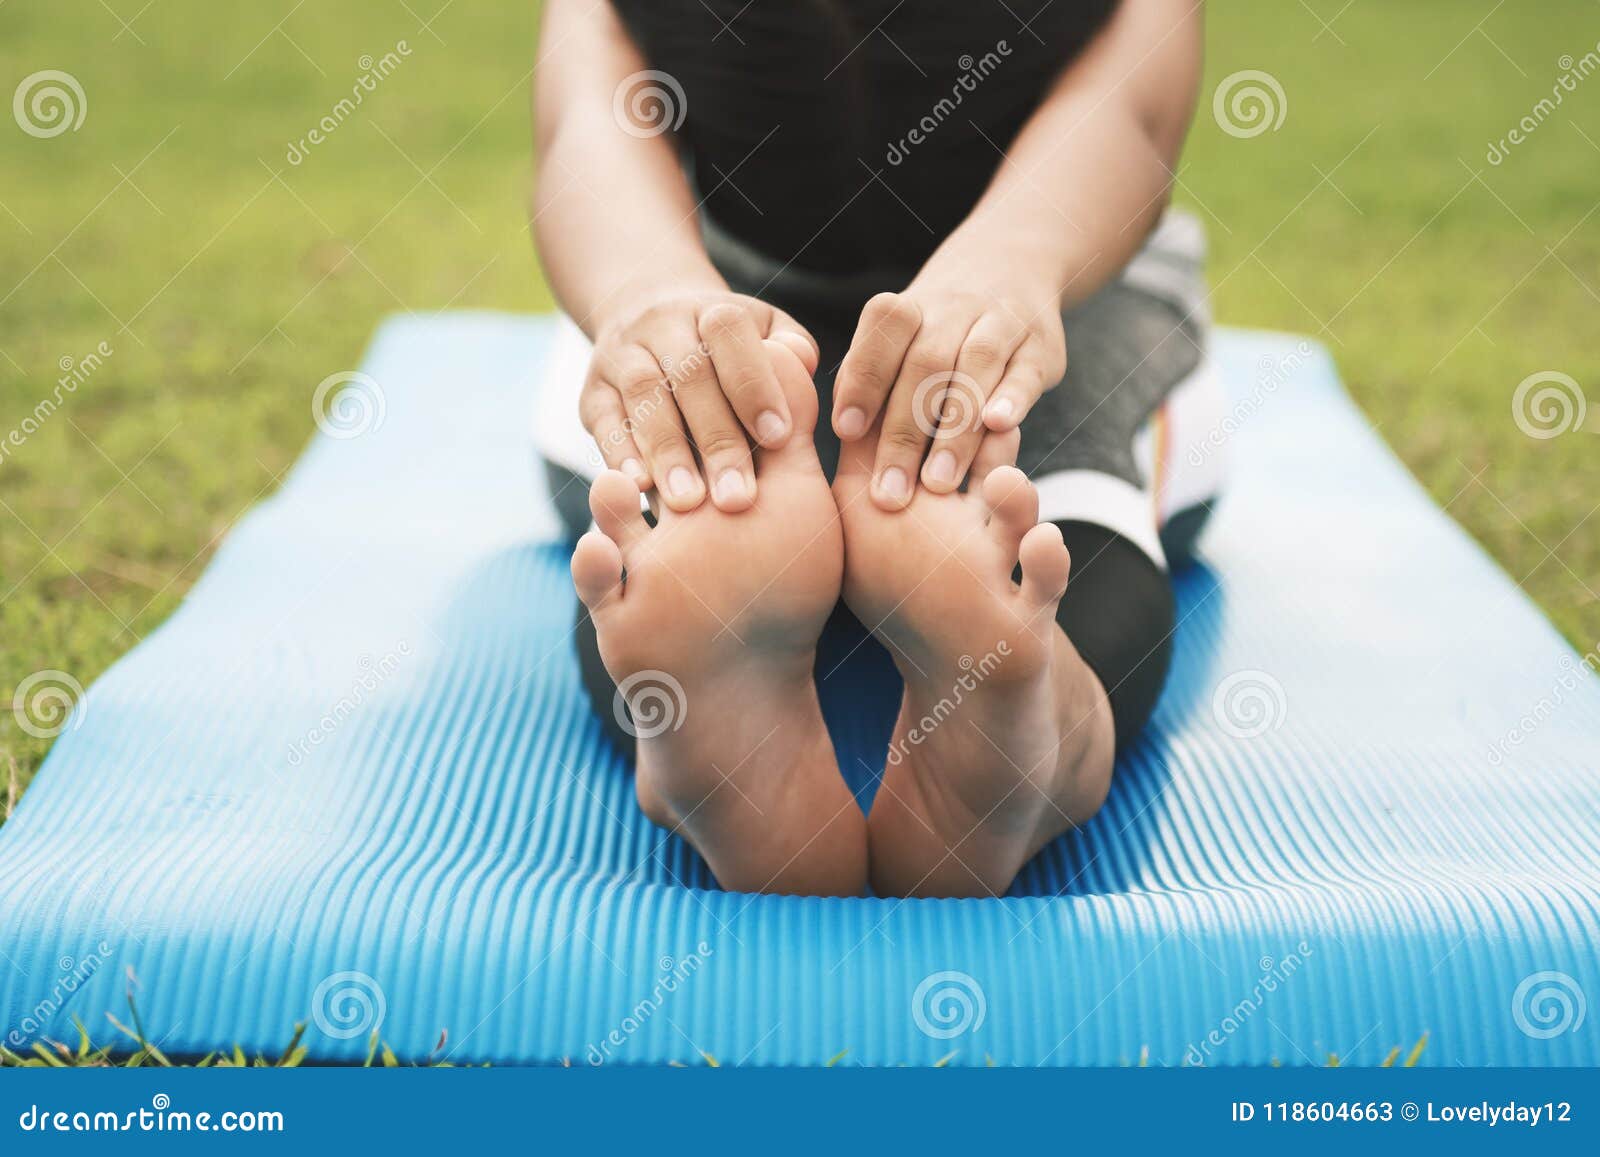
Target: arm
{"x": 678, "y": 357}
{"x": 1074, "y": 198}
{"x": 613, "y": 214}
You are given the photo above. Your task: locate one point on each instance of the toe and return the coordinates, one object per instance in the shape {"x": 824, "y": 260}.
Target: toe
{"x": 852, "y": 481}
{"x": 1013, "y": 506}
{"x": 799, "y": 390}
{"x": 1045, "y": 564}
{"x": 597, "y": 570}
{"x": 614, "y": 502}
{"x": 799, "y": 453}
{"x": 996, "y": 450}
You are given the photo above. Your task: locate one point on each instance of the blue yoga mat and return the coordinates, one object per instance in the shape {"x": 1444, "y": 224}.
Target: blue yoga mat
{"x": 354, "y": 782}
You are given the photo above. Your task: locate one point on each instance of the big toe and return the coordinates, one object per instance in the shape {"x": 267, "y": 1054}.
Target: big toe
{"x": 799, "y": 390}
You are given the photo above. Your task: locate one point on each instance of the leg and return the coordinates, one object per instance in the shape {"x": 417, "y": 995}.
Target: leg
{"x": 1119, "y": 613}
{"x": 1005, "y": 737}
{"x": 982, "y": 773}
{"x": 708, "y": 623}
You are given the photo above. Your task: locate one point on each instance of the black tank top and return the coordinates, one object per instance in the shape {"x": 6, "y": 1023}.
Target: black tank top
{"x": 845, "y": 135}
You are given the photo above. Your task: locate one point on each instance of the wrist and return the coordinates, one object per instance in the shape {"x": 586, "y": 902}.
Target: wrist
{"x": 1005, "y": 261}
{"x": 690, "y": 275}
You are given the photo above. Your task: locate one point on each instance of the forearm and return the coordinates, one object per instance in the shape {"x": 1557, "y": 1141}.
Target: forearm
{"x": 1090, "y": 173}
{"x": 613, "y": 214}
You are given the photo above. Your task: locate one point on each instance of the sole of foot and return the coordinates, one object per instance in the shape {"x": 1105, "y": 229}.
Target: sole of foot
{"x": 1004, "y": 739}
{"x": 708, "y": 623}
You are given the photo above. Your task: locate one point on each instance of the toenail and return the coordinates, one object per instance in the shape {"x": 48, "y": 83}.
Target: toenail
{"x": 730, "y": 487}
{"x": 770, "y": 427}
{"x": 942, "y": 467}
{"x": 1001, "y": 409}
{"x": 893, "y": 484}
{"x": 634, "y": 469}
{"x": 853, "y": 422}
{"x": 680, "y": 481}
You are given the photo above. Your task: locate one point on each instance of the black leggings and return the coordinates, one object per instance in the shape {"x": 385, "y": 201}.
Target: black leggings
{"x": 1118, "y": 612}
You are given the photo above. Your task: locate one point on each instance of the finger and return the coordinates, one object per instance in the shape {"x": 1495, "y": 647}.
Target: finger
{"x": 600, "y": 410}
{"x": 1024, "y": 382}
{"x": 979, "y": 367}
{"x": 888, "y": 325}
{"x": 614, "y": 502}
{"x": 658, "y": 430}
{"x": 911, "y": 418}
{"x": 797, "y": 337}
{"x": 597, "y": 571}
{"x": 852, "y": 482}
{"x": 994, "y": 451}
{"x": 715, "y": 431}
{"x": 744, "y": 371}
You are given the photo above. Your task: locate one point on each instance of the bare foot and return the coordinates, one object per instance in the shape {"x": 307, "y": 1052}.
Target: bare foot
{"x": 711, "y": 639}
{"x": 1005, "y": 737}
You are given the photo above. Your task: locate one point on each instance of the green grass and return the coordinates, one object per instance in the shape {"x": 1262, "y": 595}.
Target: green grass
{"x": 228, "y": 282}
{"x": 131, "y": 1048}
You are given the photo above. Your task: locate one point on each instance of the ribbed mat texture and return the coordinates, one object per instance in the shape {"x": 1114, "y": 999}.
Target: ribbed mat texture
{"x": 354, "y": 782}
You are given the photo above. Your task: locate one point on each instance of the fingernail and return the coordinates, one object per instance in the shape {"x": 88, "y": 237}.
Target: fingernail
{"x": 942, "y": 467}
{"x": 680, "y": 482}
{"x": 894, "y": 485}
{"x": 770, "y": 427}
{"x": 1001, "y": 409}
{"x": 729, "y": 487}
{"x": 852, "y": 423}
{"x": 634, "y": 469}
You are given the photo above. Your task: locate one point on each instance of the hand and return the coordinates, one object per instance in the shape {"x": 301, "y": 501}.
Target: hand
{"x": 957, "y": 353}
{"x": 683, "y": 371}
